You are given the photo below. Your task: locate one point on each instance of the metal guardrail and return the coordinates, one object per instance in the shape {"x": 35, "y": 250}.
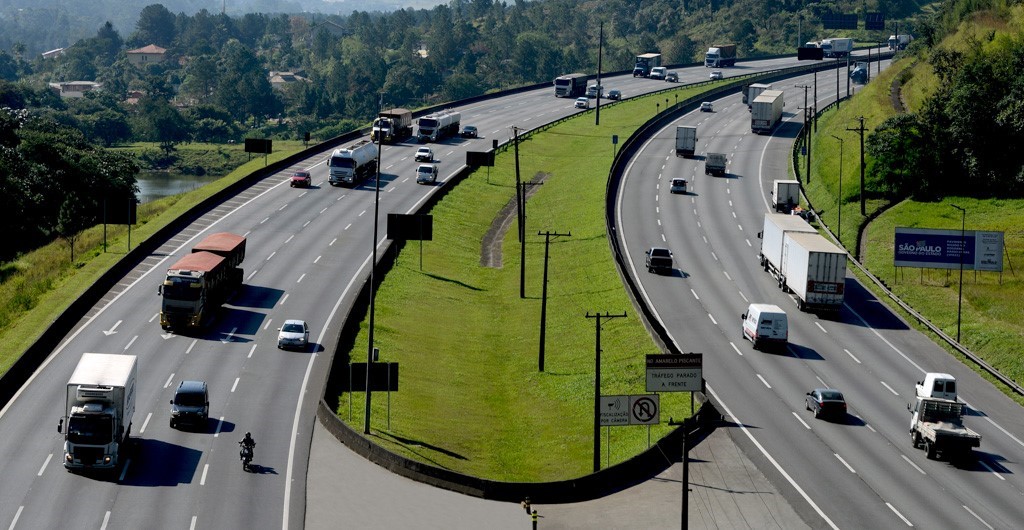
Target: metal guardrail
{"x": 953, "y": 343}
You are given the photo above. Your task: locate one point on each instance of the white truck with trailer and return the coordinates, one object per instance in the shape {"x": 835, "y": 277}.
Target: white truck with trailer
{"x": 773, "y": 235}
{"x": 438, "y": 126}
{"x": 98, "y": 408}
{"x": 785, "y": 195}
{"x": 836, "y": 47}
{"x": 937, "y": 425}
{"x": 686, "y": 140}
{"x": 751, "y": 91}
{"x": 814, "y": 269}
{"x": 349, "y": 166}
{"x": 766, "y": 111}
{"x": 720, "y": 55}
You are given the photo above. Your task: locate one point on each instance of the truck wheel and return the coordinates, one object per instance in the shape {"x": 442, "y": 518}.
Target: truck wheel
{"x": 800, "y": 305}
{"x": 930, "y": 450}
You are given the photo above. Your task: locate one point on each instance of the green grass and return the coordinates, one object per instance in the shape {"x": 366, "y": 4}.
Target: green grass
{"x": 41, "y": 284}
{"x": 471, "y": 397}
{"x": 992, "y": 304}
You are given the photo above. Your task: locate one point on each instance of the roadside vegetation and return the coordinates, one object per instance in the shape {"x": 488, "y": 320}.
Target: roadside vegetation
{"x": 992, "y": 303}
{"x": 40, "y": 284}
{"x": 471, "y": 397}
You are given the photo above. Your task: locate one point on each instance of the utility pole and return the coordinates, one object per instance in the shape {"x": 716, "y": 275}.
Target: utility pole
{"x": 807, "y": 133}
{"x": 373, "y": 283}
{"x": 597, "y": 386}
{"x": 685, "y": 424}
{"x": 522, "y": 239}
{"x": 960, "y": 294}
{"x": 544, "y": 296}
{"x": 847, "y": 76}
{"x": 600, "y": 46}
{"x": 860, "y": 129}
{"x": 519, "y": 217}
{"x": 839, "y": 203}
{"x": 837, "y": 83}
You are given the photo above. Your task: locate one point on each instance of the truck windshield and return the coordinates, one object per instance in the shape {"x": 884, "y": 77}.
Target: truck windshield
{"x": 345, "y": 162}
{"x": 428, "y": 122}
{"x": 188, "y": 289}
{"x": 563, "y": 82}
{"x": 91, "y": 430}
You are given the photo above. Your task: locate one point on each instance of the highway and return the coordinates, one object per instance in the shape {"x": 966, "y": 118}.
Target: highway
{"x": 860, "y": 472}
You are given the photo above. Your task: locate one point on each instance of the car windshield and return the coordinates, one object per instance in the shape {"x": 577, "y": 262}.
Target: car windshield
{"x": 660, "y": 252}
{"x": 678, "y": 182}
{"x": 189, "y": 399}
{"x": 301, "y": 175}
{"x": 831, "y": 395}
{"x": 292, "y": 328}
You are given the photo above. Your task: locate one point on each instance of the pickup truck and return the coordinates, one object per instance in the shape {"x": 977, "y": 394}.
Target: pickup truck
{"x": 659, "y": 260}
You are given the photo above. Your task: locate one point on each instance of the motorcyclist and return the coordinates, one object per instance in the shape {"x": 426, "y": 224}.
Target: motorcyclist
{"x": 248, "y": 443}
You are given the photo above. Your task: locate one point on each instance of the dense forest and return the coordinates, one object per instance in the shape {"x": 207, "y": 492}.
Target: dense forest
{"x": 213, "y": 84}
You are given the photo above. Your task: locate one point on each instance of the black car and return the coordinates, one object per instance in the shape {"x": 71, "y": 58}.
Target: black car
{"x": 826, "y": 402}
{"x": 659, "y": 260}
{"x": 469, "y": 131}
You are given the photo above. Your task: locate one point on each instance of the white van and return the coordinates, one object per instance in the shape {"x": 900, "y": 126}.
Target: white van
{"x": 937, "y": 385}
{"x": 765, "y": 324}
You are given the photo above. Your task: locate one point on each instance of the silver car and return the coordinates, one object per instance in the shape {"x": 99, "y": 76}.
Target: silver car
{"x": 294, "y": 334}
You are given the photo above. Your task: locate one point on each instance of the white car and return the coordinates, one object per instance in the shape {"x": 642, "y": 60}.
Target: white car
{"x": 582, "y": 103}
{"x": 707, "y": 107}
{"x": 424, "y": 154}
{"x": 294, "y": 334}
{"x": 716, "y": 74}
{"x": 426, "y": 174}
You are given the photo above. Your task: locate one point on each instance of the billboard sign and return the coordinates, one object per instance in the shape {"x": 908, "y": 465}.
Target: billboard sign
{"x": 943, "y": 249}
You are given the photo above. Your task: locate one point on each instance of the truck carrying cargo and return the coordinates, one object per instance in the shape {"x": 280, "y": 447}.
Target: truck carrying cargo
{"x": 773, "y": 233}
{"x": 750, "y": 92}
{"x": 392, "y": 126}
{"x": 766, "y": 111}
{"x": 439, "y": 125}
{"x": 201, "y": 281}
{"x": 715, "y": 164}
{"x": 686, "y": 140}
{"x": 570, "y": 85}
{"x": 937, "y": 425}
{"x": 349, "y": 166}
{"x": 785, "y": 195}
{"x": 98, "y": 406}
{"x": 899, "y": 42}
{"x": 645, "y": 63}
{"x": 836, "y": 48}
{"x": 719, "y": 55}
{"x": 813, "y": 269}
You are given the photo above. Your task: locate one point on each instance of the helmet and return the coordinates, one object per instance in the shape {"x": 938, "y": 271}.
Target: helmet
{"x": 248, "y": 435}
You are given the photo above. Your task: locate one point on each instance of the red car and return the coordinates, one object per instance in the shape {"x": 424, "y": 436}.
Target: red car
{"x": 301, "y": 179}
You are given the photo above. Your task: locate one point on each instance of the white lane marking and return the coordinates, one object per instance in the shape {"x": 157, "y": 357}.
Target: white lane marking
{"x": 283, "y": 298}
{"x": 823, "y": 330}
{"x": 249, "y": 277}
{"x": 663, "y": 238}
{"x": 659, "y": 222}
{"x": 271, "y": 255}
{"x": 331, "y": 244}
{"x": 705, "y": 239}
{"x": 361, "y": 213}
{"x": 734, "y": 215}
{"x": 190, "y": 346}
{"x": 286, "y": 241}
{"x": 300, "y": 278}
{"x": 851, "y": 355}
{"x": 997, "y": 426}
{"x": 744, "y": 297}
{"x": 730, "y": 203}
{"x": 113, "y": 329}
{"x": 169, "y": 379}
{"x": 844, "y": 463}
{"x": 304, "y": 225}
{"x": 220, "y": 424}
{"x": 763, "y": 381}
{"x": 264, "y": 220}
{"x": 822, "y": 381}
{"x": 152, "y": 318}
{"x": 251, "y": 350}
{"x": 129, "y": 345}
{"x": 889, "y": 388}
{"x": 870, "y": 428}
{"x": 45, "y": 463}
{"x": 324, "y": 210}
{"x": 801, "y": 420}
{"x": 970, "y": 511}
{"x": 230, "y": 337}
{"x": 990, "y": 470}
{"x": 919, "y": 470}
{"x": 740, "y": 227}
{"x": 897, "y": 512}
{"x": 727, "y": 277}
{"x": 695, "y": 294}
{"x": 146, "y": 423}
{"x": 348, "y": 226}
{"x": 267, "y": 325}
{"x": 748, "y": 243}
{"x": 735, "y": 348}
{"x": 235, "y": 384}
{"x": 283, "y": 206}
{"x": 713, "y": 255}
{"x": 713, "y": 321}
{"x": 317, "y": 260}
{"x": 202, "y": 480}
{"x": 16, "y": 517}
{"x": 106, "y": 519}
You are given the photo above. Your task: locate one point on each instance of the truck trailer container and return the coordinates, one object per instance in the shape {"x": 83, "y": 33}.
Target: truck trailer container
{"x": 392, "y": 126}
{"x": 719, "y": 55}
{"x": 437, "y": 126}
{"x": 751, "y": 91}
{"x": 773, "y": 233}
{"x": 686, "y": 140}
{"x": 351, "y": 165}
{"x": 570, "y": 85}
{"x": 201, "y": 281}
{"x": 645, "y": 63}
{"x": 836, "y": 47}
{"x": 813, "y": 269}
{"x": 766, "y": 111}
{"x": 785, "y": 195}
{"x": 98, "y": 406}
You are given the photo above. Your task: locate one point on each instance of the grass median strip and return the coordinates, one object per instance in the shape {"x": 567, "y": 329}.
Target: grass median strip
{"x": 471, "y": 396}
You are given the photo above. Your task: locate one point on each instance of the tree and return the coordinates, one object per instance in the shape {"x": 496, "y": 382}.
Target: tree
{"x": 71, "y": 221}
{"x": 899, "y": 162}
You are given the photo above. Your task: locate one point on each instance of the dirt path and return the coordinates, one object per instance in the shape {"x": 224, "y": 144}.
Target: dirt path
{"x": 490, "y": 247}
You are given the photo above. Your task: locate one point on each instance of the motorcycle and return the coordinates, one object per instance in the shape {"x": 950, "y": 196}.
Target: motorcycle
{"x": 246, "y": 455}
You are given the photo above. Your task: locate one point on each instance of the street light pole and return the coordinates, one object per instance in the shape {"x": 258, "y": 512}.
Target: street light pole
{"x": 373, "y": 279}
{"x": 839, "y": 203}
{"x": 960, "y": 295}
{"x": 807, "y": 134}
